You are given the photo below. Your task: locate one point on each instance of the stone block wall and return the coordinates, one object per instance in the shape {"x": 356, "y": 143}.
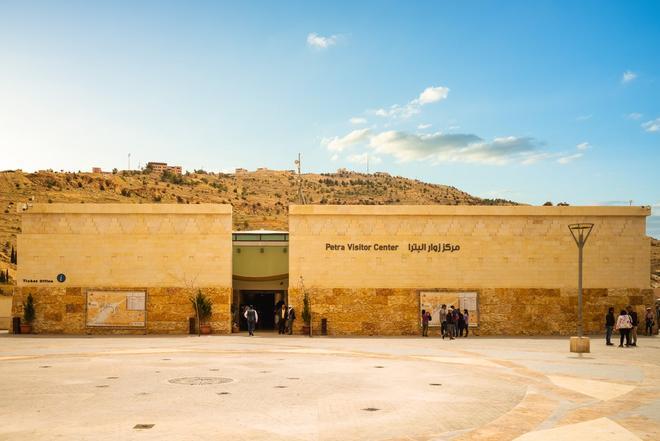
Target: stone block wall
{"x": 502, "y": 311}
{"x": 61, "y": 310}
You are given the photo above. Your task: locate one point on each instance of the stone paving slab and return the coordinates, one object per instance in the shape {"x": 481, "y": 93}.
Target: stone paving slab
{"x": 297, "y": 388}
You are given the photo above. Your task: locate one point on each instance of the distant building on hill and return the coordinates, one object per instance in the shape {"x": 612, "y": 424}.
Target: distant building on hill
{"x": 97, "y": 170}
{"x": 160, "y": 167}
{"x": 241, "y": 170}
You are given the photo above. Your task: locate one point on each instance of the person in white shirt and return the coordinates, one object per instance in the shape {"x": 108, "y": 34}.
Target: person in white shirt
{"x": 252, "y": 319}
{"x": 624, "y": 325}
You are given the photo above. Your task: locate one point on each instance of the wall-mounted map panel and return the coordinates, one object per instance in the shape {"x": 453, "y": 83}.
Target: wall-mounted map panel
{"x": 116, "y": 309}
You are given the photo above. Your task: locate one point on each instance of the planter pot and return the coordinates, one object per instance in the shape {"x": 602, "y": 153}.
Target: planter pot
{"x": 26, "y": 328}
{"x": 305, "y": 329}
{"x": 205, "y": 329}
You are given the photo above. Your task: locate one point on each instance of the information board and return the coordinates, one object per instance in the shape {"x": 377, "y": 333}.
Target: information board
{"x": 432, "y": 301}
{"x": 117, "y": 309}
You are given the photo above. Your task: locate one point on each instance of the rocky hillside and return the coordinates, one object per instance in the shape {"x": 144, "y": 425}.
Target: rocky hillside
{"x": 260, "y": 199}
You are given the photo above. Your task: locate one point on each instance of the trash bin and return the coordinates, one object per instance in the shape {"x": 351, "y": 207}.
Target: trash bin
{"x": 191, "y": 326}
{"x": 324, "y": 326}
{"x": 16, "y": 324}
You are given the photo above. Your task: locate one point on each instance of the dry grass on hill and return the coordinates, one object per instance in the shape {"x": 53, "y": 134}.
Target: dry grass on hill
{"x": 260, "y": 199}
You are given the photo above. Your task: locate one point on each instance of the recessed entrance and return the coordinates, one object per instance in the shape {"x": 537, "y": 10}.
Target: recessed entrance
{"x": 264, "y": 302}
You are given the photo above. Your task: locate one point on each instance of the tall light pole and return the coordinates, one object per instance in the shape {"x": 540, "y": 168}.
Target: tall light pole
{"x": 580, "y": 233}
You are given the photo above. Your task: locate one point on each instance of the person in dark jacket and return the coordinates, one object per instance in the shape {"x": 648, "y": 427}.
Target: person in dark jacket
{"x": 461, "y": 324}
{"x": 426, "y": 317}
{"x": 635, "y": 322}
{"x": 609, "y": 326}
{"x": 450, "y": 325}
{"x": 454, "y": 313}
{"x": 282, "y": 317}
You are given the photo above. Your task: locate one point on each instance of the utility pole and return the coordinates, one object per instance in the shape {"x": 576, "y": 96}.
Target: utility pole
{"x": 301, "y": 195}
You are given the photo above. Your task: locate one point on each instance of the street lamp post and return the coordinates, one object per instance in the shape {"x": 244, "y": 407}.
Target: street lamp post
{"x": 580, "y": 233}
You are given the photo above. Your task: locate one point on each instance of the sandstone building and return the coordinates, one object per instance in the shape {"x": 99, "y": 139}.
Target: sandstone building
{"x": 368, "y": 270}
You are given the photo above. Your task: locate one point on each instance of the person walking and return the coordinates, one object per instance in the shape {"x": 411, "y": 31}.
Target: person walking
{"x": 282, "y": 317}
{"x": 426, "y": 317}
{"x": 635, "y": 322}
{"x": 291, "y": 316}
{"x": 252, "y": 319}
{"x": 609, "y": 326}
{"x": 623, "y": 325}
{"x": 450, "y": 325}
{"x": 466, "y": 320}
{"x": 443, "y": 320}
{"x": 649, "y": 321}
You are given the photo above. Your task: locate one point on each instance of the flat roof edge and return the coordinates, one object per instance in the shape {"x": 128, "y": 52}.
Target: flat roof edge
{"x": 467, "y": 210}
{"x": 129, "y": 208}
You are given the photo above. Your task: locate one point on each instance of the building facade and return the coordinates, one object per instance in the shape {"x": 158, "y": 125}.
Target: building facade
{"x": 367, "y": 270}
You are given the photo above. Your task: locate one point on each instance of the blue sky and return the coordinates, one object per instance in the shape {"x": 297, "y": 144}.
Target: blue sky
{"x": 530, "y": 101}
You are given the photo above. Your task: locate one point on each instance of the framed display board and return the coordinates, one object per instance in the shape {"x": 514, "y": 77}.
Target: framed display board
{"x": 432, "y": 301}
{"x": 116, "y": 309}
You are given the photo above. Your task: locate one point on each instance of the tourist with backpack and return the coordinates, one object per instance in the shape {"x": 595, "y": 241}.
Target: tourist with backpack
{"x": 252, "y": 319}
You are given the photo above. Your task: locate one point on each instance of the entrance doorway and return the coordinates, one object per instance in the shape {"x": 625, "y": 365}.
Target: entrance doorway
{"x": 264, "y": 303}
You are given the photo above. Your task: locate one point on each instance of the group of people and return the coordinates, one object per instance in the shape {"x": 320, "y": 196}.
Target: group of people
{"x": 453, "y": 322}
{"x": 284, "y": 317}
{"x": 626, "y": 323}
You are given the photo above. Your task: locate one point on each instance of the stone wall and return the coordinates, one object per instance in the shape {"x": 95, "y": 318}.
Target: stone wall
{"x": 502, "y": 311}
{"x": 61, "y": 310}
{"x": 466, "y": 246}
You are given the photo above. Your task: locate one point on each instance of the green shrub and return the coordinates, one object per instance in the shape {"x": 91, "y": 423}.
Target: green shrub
{"x": 28, "y": 309}
{"x": 202, "y": 305}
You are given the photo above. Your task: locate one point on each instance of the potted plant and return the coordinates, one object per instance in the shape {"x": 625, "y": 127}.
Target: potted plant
{"x": 306, "y": 314}
{"x": 203, "y": 307}
{"x": 28, "y": 315}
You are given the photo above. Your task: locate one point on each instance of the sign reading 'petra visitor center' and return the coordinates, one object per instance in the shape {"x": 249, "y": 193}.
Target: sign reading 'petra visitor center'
{"x": 412, "y": 247}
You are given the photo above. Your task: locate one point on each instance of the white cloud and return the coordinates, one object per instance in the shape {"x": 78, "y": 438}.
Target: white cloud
{"x": 423, "y": 126}
{"x": 357, "y": 120}
{"x": 362, "y": 158}
{"x": 440, "y": 147}
{"x": 634, "y": 115}
{"x": 320, "y": 42}
{"x": 430, "y": 95}
{"x": 433, "y": 94}
{"x": 583, "y": 146}
{"x": 584, "y": 118}
{"x": 652, "y": 126}
{"x": 334, "y": 157}
{"x": 628, "y": 76}
{"x": 337, "y": 144}
{"x": 569, "y": 158}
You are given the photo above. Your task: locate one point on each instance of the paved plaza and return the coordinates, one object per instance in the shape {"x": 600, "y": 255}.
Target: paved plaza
{"x": 273, "y": 387}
